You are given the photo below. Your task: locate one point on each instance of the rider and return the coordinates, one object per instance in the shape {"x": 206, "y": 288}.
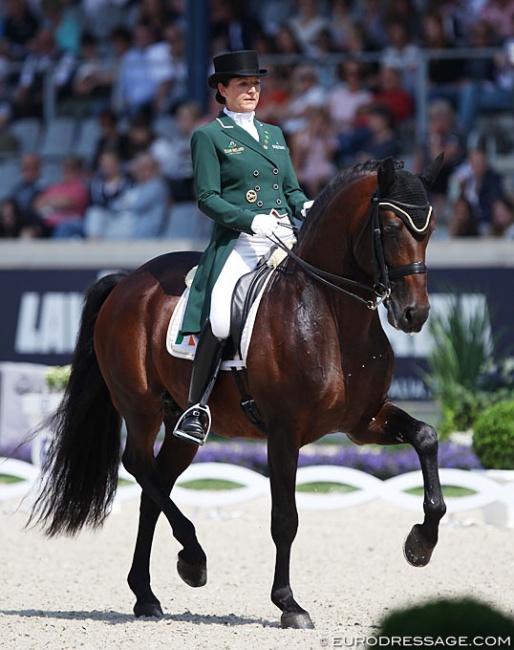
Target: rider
{"x": 246, "y": 183}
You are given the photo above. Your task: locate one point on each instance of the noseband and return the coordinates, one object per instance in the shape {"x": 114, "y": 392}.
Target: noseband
{"x": 383, "y": 274}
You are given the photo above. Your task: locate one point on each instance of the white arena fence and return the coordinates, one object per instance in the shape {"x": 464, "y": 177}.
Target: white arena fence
{"x": 497, "y": 492}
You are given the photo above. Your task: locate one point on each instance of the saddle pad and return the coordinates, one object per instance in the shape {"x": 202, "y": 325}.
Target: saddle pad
{"x": 185, "y": 347}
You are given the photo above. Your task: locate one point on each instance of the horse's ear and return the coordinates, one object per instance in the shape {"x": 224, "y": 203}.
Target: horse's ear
{"x": 429, "y": 174}
{"x": 386, "y": 175}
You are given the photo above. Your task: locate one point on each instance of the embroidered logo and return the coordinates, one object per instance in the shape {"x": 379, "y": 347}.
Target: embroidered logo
{"x": 234, "y": 149}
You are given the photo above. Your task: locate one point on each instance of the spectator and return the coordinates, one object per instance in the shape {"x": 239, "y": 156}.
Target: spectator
{"x": 502, "y": 218}
{"x": 62, "y": 19}
{"x": 390, "y": 91}
{"x": 62, "y": 205}
{"x": 274, "y": 95}
{"x": 312, "y": 152}
{"x": 286, "y": 42}
{"x": 463, "y": 221}
{"x": 443, "y": 135}
{"x": 306, "y": 93}
{"x": 369, "y": 14}
{"x": 107, "y": 185}
{"x": 348, "y": 96}
{"x": 480, "y": 184}
{"x": 445, "y": 74}
{"x": 402, "y": 54}
{"x": 141, "y": 210}
{"x": 177, "y": 165}
{"x": 21, "y": 25}
{"x": 92, "y": 83}
{"x": 26, "y": 192}
{"x": 11, "y": 223}
{"x": 44, "y": 59}
{"x": 137, "y": 85}
{"x": 230, "y": 29}
{"x": 168, "y": 67}
{"x": 142, "y": 139}
{"x": 382, "y": 141}
{"x": 111, "y": 138}
{"x": 489, "y": 85}
{"x": 307, "y": 24}
{"x": 287, "y": 46}
{"x": 500, "y": 16}
{"x": 407, "y": 12}
{"x": 157, "y": 14}
{"x": 271, "y": 14}
{"x": 341, "y": 22}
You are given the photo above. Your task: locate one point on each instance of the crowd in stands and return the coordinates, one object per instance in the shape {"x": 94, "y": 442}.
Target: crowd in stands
{"x": 343, "y": 85}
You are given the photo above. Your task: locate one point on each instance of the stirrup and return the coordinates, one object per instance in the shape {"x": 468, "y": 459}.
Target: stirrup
{"x": 196, "y": 410}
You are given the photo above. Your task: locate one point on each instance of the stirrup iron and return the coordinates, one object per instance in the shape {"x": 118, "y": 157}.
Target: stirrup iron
{"x": 196, "y": 410}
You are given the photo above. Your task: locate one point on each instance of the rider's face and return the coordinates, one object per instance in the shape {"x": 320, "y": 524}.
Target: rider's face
{"x": 241, "y": 94}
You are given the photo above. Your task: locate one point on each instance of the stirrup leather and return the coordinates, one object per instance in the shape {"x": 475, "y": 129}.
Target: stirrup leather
{"x": 190, "y": 411}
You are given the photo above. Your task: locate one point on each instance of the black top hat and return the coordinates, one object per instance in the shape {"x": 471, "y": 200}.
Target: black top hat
{"x": 243, "y": 63}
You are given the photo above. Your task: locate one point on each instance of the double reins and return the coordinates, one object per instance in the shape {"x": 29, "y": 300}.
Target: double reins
{"x": 383, "y": 274}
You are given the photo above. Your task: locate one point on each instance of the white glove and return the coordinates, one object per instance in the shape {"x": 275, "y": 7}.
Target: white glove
{"x": 306, "y": 207}
{"x": 264, "y": 225}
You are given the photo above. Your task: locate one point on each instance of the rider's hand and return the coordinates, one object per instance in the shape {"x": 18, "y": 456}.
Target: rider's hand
{"x": 264, "y": 225}
{"x": 306, "y": 207}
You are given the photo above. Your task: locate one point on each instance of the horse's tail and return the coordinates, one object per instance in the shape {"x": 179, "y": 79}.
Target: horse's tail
{"x": 80, "y": 472}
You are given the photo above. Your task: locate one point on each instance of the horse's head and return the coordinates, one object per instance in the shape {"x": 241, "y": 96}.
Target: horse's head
{"x": 402, "y": 223}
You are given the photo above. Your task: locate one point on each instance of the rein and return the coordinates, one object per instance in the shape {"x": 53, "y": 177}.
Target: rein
{"x": 382, "y": 273}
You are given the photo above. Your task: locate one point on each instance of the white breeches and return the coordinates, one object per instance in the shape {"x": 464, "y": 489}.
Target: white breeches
{"x": 243, "y": 258}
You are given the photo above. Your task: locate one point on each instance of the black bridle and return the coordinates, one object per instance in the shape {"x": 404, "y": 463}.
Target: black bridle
{"x": 383, "y": 274}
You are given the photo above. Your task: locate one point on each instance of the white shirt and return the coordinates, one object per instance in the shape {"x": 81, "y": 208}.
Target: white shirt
{"x": 245, "y": 121}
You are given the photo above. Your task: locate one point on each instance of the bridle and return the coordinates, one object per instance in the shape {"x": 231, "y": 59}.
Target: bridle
{"x": 383, "y": 273}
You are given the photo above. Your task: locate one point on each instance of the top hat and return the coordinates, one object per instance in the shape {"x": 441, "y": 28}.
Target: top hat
{"x": 243, "y": 63}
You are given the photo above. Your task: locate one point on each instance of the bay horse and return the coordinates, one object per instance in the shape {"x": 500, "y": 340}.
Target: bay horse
{"x": 319, "y": 362}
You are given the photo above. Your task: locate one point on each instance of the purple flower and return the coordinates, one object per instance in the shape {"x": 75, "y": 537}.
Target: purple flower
{"x": 382, "y": 462}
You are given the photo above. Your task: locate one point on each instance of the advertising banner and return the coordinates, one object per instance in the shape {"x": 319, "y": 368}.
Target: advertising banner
{"x": 41, "y": 311}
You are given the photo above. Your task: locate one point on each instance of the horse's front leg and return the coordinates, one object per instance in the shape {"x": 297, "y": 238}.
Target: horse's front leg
{"x": 392, "y": 425}
{"x": 283, "y": 461}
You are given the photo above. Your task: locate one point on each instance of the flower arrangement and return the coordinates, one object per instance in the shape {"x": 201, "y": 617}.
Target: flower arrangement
{"x": 57, "y": 377}
{"x": 382, "y": 462}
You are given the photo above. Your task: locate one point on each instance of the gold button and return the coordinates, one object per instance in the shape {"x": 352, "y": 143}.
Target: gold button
{"x": 251, "y": 196}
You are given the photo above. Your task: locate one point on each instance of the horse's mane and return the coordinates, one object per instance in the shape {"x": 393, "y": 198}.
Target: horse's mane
{"x": 342, "y": 178}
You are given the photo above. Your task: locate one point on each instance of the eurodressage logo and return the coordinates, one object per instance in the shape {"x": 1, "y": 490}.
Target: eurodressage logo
{"x": 233, "y": 148}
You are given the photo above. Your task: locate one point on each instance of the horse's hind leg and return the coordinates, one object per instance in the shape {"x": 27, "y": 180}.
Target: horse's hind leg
{"x": 157, "y": 477}
{"x": 282, "y": 460}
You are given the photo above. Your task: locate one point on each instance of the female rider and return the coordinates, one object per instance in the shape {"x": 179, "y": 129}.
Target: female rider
{"x": 246, "y": 183}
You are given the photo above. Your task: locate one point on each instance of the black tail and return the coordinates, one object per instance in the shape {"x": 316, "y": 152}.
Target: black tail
{"x": 80, "y": 473}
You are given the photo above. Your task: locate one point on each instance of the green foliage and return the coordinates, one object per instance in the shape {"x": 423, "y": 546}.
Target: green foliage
{"x": 57, "y": 377}
{"x": 462, "y": 345}
{"x": 445, "y": 620}
{"x": 493, "y": 436}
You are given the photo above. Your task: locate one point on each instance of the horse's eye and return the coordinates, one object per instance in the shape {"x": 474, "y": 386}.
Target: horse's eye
{"x": 392, "y": 228}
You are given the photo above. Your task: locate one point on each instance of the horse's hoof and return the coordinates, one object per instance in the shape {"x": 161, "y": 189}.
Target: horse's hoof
{"x": 417, "y": 549}
{"x": 296, "y": 620}
{"x": 153, "y": 610}
{"x": 194, "y": 575}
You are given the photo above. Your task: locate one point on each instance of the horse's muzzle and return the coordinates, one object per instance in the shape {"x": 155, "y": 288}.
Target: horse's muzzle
{"x": 409, "y": 319}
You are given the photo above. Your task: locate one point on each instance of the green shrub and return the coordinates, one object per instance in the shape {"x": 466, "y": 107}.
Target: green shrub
{"x": 493, "y": 436}
{"x": 462, "y": 344}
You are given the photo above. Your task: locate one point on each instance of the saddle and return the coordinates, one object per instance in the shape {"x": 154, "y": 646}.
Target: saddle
{"x": 247, "y": 289}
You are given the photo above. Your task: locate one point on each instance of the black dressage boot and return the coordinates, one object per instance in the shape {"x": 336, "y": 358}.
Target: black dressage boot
{"x": 195, "y": 422}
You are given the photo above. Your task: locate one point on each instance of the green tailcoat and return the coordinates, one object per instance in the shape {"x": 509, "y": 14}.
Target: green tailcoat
{"x": 236, "y": 177}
